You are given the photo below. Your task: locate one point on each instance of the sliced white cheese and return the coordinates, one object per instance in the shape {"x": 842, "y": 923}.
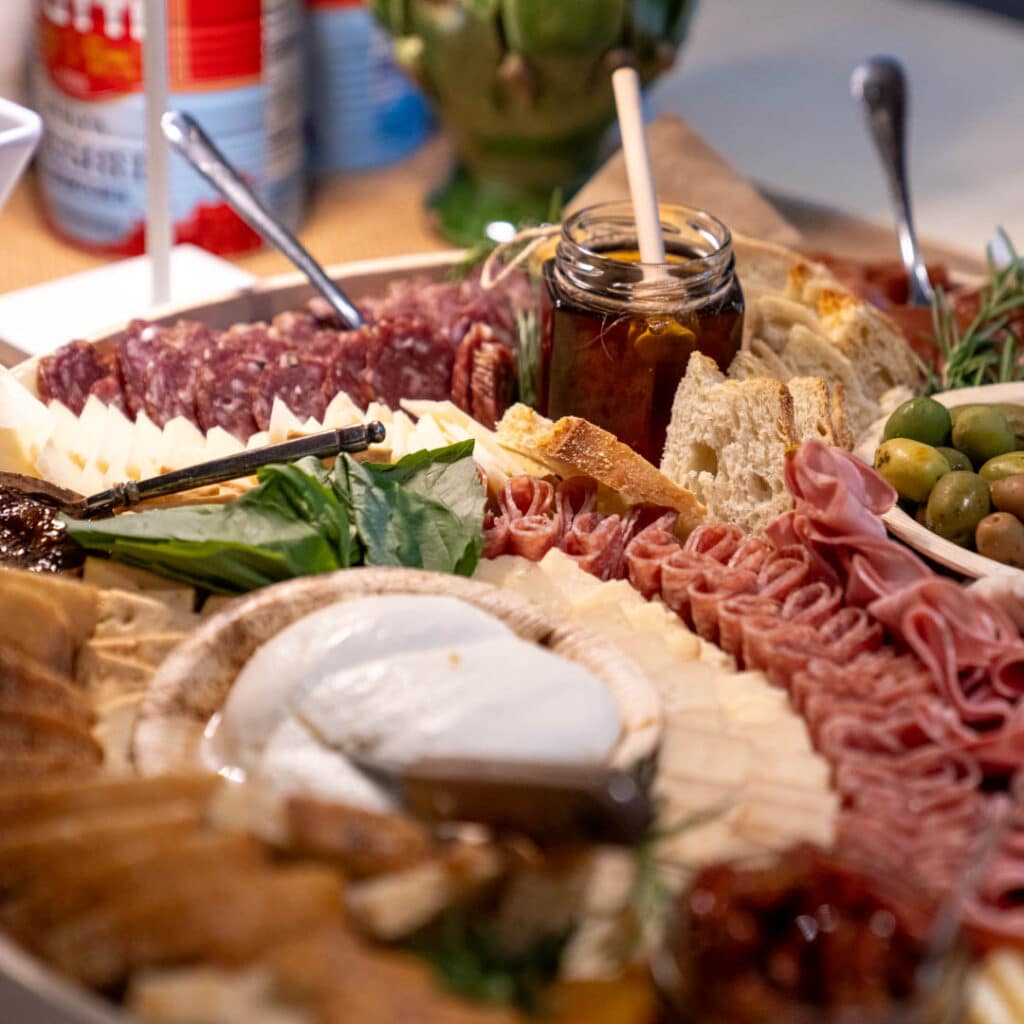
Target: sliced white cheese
{"x": 90, "y": 428}
{"x": 25, "y": 426}
{"x": 183, "y": 445}
{"x": 524, "y": 577}
{"x": 221, "y": 443}
{"x": 341, "y": 412}
{"x": 426, "y": 435}
{"x": 144, "y": 453}
{"x": 1005, "y": 970}
{"x": 116, "y": 444}
{"x": 65, "y": 436}
{"x": 283, "y": 423}
{"x": 55, "y": 465}
{"x": 258, "y": 440}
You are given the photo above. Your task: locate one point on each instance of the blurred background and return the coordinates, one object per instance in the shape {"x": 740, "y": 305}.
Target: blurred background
{"x": 311, "y": 102}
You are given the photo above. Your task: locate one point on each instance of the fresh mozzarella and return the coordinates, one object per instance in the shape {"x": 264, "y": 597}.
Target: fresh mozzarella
{"x": 345, "y": 633}
{"x": 503, "y": 699}
{"x": 294, "y": 761}
{"x": 400, "y": 677}
{"x": 25, "y": 426}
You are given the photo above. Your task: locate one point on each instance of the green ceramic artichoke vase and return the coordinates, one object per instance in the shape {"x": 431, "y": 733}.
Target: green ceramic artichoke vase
{"x": 524, "y": 89}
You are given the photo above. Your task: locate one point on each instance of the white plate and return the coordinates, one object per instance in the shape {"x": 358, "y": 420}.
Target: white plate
{"x": 931, "y": 545}
{"x": 20, "y": 130}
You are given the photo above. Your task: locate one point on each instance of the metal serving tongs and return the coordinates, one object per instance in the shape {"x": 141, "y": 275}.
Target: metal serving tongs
{"x": 188, "y": 139}
{"x": 548, "y": 803}
{"x": 231, "y": 467}
{"x": 880, "y": 86}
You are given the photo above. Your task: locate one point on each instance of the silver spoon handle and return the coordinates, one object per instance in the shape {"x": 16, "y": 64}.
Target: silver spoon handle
{"x": 188, "y": 139}
{"x": 880, "y": 85}
{"x": 233, "y": 467}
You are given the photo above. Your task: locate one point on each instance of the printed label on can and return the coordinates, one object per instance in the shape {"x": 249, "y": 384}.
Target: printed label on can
{"x": 241, "y": 79}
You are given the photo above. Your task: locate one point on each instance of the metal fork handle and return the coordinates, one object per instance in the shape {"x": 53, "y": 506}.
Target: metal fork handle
{"x": 232, "y": 467}
{"x": 188, "y": 139}
{"x": 880, "y": 85}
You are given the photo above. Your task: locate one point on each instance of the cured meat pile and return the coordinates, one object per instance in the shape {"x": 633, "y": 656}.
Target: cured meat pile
{"x": 910, "y": 685}
{"x": 421, "y": 340}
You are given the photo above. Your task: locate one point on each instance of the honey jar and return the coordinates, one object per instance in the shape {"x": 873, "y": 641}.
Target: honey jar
{"x": 617, "y": 334}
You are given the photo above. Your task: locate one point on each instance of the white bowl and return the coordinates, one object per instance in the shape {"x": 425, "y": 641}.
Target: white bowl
{"x": 931, "y": 545}
{"x": 20, "y": 130}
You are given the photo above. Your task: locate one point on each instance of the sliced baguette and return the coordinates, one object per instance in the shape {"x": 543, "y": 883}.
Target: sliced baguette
{"x": 575, "y": 447}
{"x": 727, "y": 443}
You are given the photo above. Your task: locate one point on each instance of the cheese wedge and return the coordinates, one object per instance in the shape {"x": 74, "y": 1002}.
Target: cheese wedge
{"x": 25, "y": 426}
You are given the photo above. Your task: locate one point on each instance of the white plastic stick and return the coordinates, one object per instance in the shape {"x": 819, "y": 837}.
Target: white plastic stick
{"x": 159, "y": 227}
{"x": 626, "y": 85}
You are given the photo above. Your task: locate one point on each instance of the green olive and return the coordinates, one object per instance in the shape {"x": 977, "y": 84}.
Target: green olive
{"x": 1003, "y": 466}
{"x": 920, "y": 419}
{"x": 955, "y": 459}
{"x": 1008, "y": 495}
{"x": 1001, "y": 536}
{"x": 911, "y": 467}
{"x": 958, "y": 502}
{"x": 957, "y": 411}
{"x": 982, "y": 433}
{"x": 1015, "y": 417}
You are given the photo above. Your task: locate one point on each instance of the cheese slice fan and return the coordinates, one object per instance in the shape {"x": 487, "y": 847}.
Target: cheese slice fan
{"x": 230, "y": 467}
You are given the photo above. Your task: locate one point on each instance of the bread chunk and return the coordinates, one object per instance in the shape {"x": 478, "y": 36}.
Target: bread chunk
{"x": 575, "y": 447}
{"x": 727, "y": 443}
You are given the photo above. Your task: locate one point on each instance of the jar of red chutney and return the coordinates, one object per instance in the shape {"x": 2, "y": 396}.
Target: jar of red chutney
{"x": 617, "y": 334}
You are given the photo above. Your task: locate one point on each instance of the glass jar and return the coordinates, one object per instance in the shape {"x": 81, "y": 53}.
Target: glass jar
{"x": 618, "y": 334}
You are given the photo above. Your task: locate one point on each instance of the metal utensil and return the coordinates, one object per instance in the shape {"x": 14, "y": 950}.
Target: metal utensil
{"x": 188, "y": 139}
{"x": 231, "y": 467}
{"x": 880, "y": 85}
{"x": 547, "y": 803}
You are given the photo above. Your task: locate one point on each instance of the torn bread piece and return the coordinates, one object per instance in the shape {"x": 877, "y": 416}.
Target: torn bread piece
{"x": 727, "y": 443}
{"x": 575, "y": 447}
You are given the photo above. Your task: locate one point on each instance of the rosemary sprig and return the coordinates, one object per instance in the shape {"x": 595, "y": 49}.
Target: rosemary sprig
{"x": 988, "y": 350}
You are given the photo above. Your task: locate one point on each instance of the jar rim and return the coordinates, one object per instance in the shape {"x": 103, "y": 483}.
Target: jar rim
{"x": 620, "y": 212}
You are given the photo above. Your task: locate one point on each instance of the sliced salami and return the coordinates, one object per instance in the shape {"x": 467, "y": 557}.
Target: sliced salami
{"x": 492, "y": 385}
{"x": 224, "y": 395}
{"x": 465, "y": 359}
{"x": 407, "y": 358}
{"x": 299, "y": 384}
{"x": 345, "y": 356}
{"x": 69, "y": 375}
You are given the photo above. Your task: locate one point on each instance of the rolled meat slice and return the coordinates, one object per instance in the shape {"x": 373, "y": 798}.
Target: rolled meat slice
{"x": 812, "y": 603}
{"x": 784, "y": 571}
{"x": 646, "y": 553}
{"x": 496, "y": 535}
{"x": 751, "y": 554}
{"x": 526, "y": 496}
{"x": 597, "y": 543}
{"x": 709, "y": 590}
{"x": 717, "y": 541}
{"x": 678, "y": 573}
{"x": 574, "y": 496}
{"x": 732, "y": 614}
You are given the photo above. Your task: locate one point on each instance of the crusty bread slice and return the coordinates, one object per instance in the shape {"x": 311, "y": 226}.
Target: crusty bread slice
{"x": 727, "y": 443}
{"x": 812, "y": 412}
{"x": 798, "y": 310}
{"x": 870, "y": 340}
{"x": 573, "y": 447}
